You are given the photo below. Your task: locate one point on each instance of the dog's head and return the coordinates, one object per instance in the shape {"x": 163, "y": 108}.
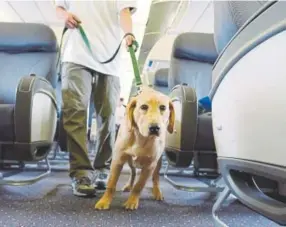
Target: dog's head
{"x": 151, "y": 112}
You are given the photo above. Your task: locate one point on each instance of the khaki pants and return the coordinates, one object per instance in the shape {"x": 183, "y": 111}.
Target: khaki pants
{"x": 78, "y": 84}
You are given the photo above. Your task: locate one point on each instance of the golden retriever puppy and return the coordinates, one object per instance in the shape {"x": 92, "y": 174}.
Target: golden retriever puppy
{"x": 140, "y": 143}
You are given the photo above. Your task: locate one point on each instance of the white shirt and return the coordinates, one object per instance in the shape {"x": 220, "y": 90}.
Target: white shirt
{"x": 119, "y": 114}
{"x": 101, "y": 23}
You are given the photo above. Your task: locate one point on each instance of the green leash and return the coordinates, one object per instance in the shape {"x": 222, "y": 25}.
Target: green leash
{"x": 131, "y": 49}
{"x": 138, "y": 81}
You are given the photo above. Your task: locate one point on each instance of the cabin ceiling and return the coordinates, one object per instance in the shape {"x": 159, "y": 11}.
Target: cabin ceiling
{"x": 43, "y": 11}
{"x": 153, "y": 19}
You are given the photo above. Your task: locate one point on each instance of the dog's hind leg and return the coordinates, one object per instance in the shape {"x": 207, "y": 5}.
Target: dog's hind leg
{"x": 157, "y": 194}
{"x": 129, "y": 185}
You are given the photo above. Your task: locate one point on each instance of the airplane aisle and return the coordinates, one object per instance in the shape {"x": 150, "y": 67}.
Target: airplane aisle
{"x": 50, "y": 203}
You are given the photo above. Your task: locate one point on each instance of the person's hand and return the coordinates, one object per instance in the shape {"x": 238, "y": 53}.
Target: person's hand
{"x": 71, "y": 20}
{"x": 129, "y": 40}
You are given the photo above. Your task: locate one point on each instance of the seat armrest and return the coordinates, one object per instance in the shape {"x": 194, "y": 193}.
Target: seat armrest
{"x": 267, "y": 22}
{"x": 195, "y": 46}
{"x": 25, "y": 105}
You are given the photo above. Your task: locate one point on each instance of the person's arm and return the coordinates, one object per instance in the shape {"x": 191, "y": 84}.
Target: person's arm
{"x": 61, "y": 8}
{"x": 126, "y": 9}
{"x": 70, "y": 19}
{"x": 126, "y": 20}
{"x": 61, "y": 12}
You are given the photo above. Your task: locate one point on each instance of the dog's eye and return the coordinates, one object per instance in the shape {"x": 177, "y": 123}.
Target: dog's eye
{"x": 144, "y": 107}
{"x": 162, "y": 107}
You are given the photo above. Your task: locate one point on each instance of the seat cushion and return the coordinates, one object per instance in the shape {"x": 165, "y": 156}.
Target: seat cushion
{"x": 161, "y": 80}
{"x": 195, "y": 46}
{"x": 164, "y": 90}
{"x": 195, "y": 74}
{"x": 161, "y": 77}
{"x": 6, "y": 123}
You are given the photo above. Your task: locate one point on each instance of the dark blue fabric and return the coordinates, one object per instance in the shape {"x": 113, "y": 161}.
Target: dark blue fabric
{"x": 206, "y": 103}
{"x": 164, "y": 90}
{"x": 196, "y": 47}
{"x": 161, "y": 77}
{"x": 26, "y": 37}
{"x": 7, "y": 123}
{"x": 161, "y": 81}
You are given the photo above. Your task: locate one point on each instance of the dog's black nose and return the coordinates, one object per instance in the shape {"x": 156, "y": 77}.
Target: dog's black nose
{"x": 154, "y": 129}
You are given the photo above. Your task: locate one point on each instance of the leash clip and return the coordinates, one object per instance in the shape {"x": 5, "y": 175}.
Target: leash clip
{"x": 139, "y": 88}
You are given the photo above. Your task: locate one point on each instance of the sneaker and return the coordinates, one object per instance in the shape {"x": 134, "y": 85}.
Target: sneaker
{"x": 83, "y": 187}
{"x": 101, "y": 179}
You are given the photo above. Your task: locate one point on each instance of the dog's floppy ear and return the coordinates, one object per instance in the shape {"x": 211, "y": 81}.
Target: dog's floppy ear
{"x": 129, "y": 113}
{"x": 171, "y": 118}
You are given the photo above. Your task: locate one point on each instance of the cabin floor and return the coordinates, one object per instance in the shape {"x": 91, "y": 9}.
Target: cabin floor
{"x": 50, "y": 202}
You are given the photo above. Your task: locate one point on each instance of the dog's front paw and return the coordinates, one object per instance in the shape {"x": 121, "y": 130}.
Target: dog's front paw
{"x": 157, "y": 194}
{"x": 132, "y": 203}
{"x": 102, "y": 204}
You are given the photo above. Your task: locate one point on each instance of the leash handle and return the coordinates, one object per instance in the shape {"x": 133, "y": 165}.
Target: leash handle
{"x": 86, "y": 41}
{"x": 132, "y": 48}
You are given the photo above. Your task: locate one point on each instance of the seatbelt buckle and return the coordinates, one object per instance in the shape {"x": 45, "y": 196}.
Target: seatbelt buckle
{"x": 135, "y": 45}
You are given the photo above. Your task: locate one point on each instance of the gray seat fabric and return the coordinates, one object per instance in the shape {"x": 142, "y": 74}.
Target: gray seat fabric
{"x": 25, "y": 48}
{"x": 205, "y": 139}
{"x": 161, "y": 80}
{"x": 195, "y": 46}
{"x": 194, "y": 53}
{"x": 205, "y": 150}
{"x": 26, "y": 37}
{"x": 251, "y": 33}
{"x": 229, "y": 17}
{"x": 191, "y": 62}
{"x": 7, "y": 122}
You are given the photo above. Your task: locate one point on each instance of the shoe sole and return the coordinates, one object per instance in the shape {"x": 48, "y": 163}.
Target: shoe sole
{"x": 87, "y": 193}
{"x": 80, "y": 194}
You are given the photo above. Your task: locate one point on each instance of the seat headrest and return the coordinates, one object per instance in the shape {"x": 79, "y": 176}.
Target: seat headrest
{"x": 196, "y": 47}
{"x": 161, "y": 77}
{"x": 27, "y": 37}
